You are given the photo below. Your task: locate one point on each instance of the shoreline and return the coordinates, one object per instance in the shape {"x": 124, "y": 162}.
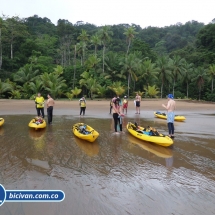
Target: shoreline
{"x": 101, "y": 108}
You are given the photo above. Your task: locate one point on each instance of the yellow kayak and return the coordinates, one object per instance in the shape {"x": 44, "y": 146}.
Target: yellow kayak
{"x": 164, "y": 116}
{"x": 1, "y": 121}
{"x": 35, "y": 124}
{"x": 84, "y": 132}
{"x": 159, "y": 151}
{"x": 149, "y": 135}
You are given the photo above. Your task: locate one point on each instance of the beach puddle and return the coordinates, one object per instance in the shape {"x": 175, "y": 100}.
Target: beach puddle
{"x": 116, "y": 174}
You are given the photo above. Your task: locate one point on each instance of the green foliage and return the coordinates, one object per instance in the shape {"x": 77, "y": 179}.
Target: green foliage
{"x": 39, "y": 56}
{"x": 15, "y": 94}
{"x": 4, "y": 87}
{"x": 117, "y": 88}
{"x": 139, "y": 93}
{"x": 101, "y": 90}
{"x": 76, "y": 91}
{"x": 151, "y": 91}
{"x": 69, "y": 95}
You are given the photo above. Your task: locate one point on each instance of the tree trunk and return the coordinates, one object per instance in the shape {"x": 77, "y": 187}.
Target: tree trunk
{"x": 103, "y": 66}
{"x": 199, "y": 93}
{"x": 187, "y": 89}
{"x": 129, "y": 43}
{"x": 74, "y": 69}
{"x": 69, "y": 55}
{"x": 212, "y": 85}
{"x": 95, "y": 50}
{"x": 11, "y": 50}
{"x": 173, "y": 91}
{"x": 83, "y": 55}
{"x": 128, "y": 83}
{"x": 64, "y": 53}
{"x": 162, "y": 90}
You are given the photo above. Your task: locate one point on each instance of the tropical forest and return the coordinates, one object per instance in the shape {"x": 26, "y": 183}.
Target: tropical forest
{"x": 70, "y": 60}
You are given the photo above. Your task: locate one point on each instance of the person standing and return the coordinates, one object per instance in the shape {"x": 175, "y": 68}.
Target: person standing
{"x": 82, "y": 103}
{"x": 170, "y": 107}
{"x": 138, "y": 100}
{"x": 116, "y": 115}
{"x": 39, "y": 101}
{"x": 50, "y": 104}
{"x": 125, "y": 104}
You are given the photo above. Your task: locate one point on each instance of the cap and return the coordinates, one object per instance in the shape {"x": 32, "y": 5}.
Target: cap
{"x": 170, "y": 96}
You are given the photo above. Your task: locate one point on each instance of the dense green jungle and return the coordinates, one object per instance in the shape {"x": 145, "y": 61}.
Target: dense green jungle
{"x": 69, "y": 60}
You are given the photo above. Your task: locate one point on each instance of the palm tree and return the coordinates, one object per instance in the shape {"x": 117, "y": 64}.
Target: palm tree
{"x": 152, "y": 91}
{"x": 96, "y": 41}
{"x": 85, "y": 76}
{"x": 163, "y": 70}
{"x": 92, "y": 61}
{"x": 112, "y": 66}
{"x": 105, "y": 34}
{"x": 176, "y": 64}
{"x": 187, "y": 74}
{"x": 26, "y": 91}
{"x": 211, "y": 74}
{"x": 101, "y": 90}
{"x": 4, "y": 87}
{"x": 76, "y": 91}
{"x": 83, "y": 37}
{"x": 58, "y": 70}
{"x": 74, "y": 74}
{"x": 148, "y": 71}
{"x": 69, "y": 95}
{"x": 117, "y": 88}
{"x": 130, "y": 33}
{"x": 131, "y": 66}
{"x": 15, "y": 94}
{"x": 2, "y": 24}
{"x": 199, "y": 78}
{"x": 92, "y": 85}
{"x": 53, "y": 83}
{"x": 25, "y": 75}
{"x": 36, "y": 86}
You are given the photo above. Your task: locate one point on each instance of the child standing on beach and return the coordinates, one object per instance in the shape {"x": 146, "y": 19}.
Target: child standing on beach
{"x": 82, "y": 103}
{"x": 125, "y": 104}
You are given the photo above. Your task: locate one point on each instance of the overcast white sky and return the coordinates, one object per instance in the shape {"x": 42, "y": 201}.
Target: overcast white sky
{"x": 145, "y": 13}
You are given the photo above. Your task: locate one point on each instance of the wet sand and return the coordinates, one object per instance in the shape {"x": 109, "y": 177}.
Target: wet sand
{"x": 100, "y": 108}
{"x": 115, "y": 175}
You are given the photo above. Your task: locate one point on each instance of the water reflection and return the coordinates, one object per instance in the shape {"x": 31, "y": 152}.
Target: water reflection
{"x": 1, "y": 131}
{"x": 37, "y": 134}
{"x": 117, "y": 174}
{"x": 159, "y": 151}
{"x": 91, "y": 149}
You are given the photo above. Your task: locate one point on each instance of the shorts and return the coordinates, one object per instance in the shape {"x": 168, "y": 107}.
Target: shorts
{"x": 170, "y": 117}
{"x": 137, "y": 103}
{"x": 125, "y": 105}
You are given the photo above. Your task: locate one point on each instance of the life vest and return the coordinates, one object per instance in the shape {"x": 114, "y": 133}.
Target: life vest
{"x": 40, "y": 102}
{"x": 125, "y": 101}
{"x": 83, "y": 103}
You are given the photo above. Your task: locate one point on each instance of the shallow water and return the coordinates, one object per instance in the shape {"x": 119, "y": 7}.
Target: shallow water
{"x": 117, "y": 174}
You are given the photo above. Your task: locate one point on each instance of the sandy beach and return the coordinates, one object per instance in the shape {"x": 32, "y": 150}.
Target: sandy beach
{"x": 100, "y": 108}
{"x": 117, "y": 174}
